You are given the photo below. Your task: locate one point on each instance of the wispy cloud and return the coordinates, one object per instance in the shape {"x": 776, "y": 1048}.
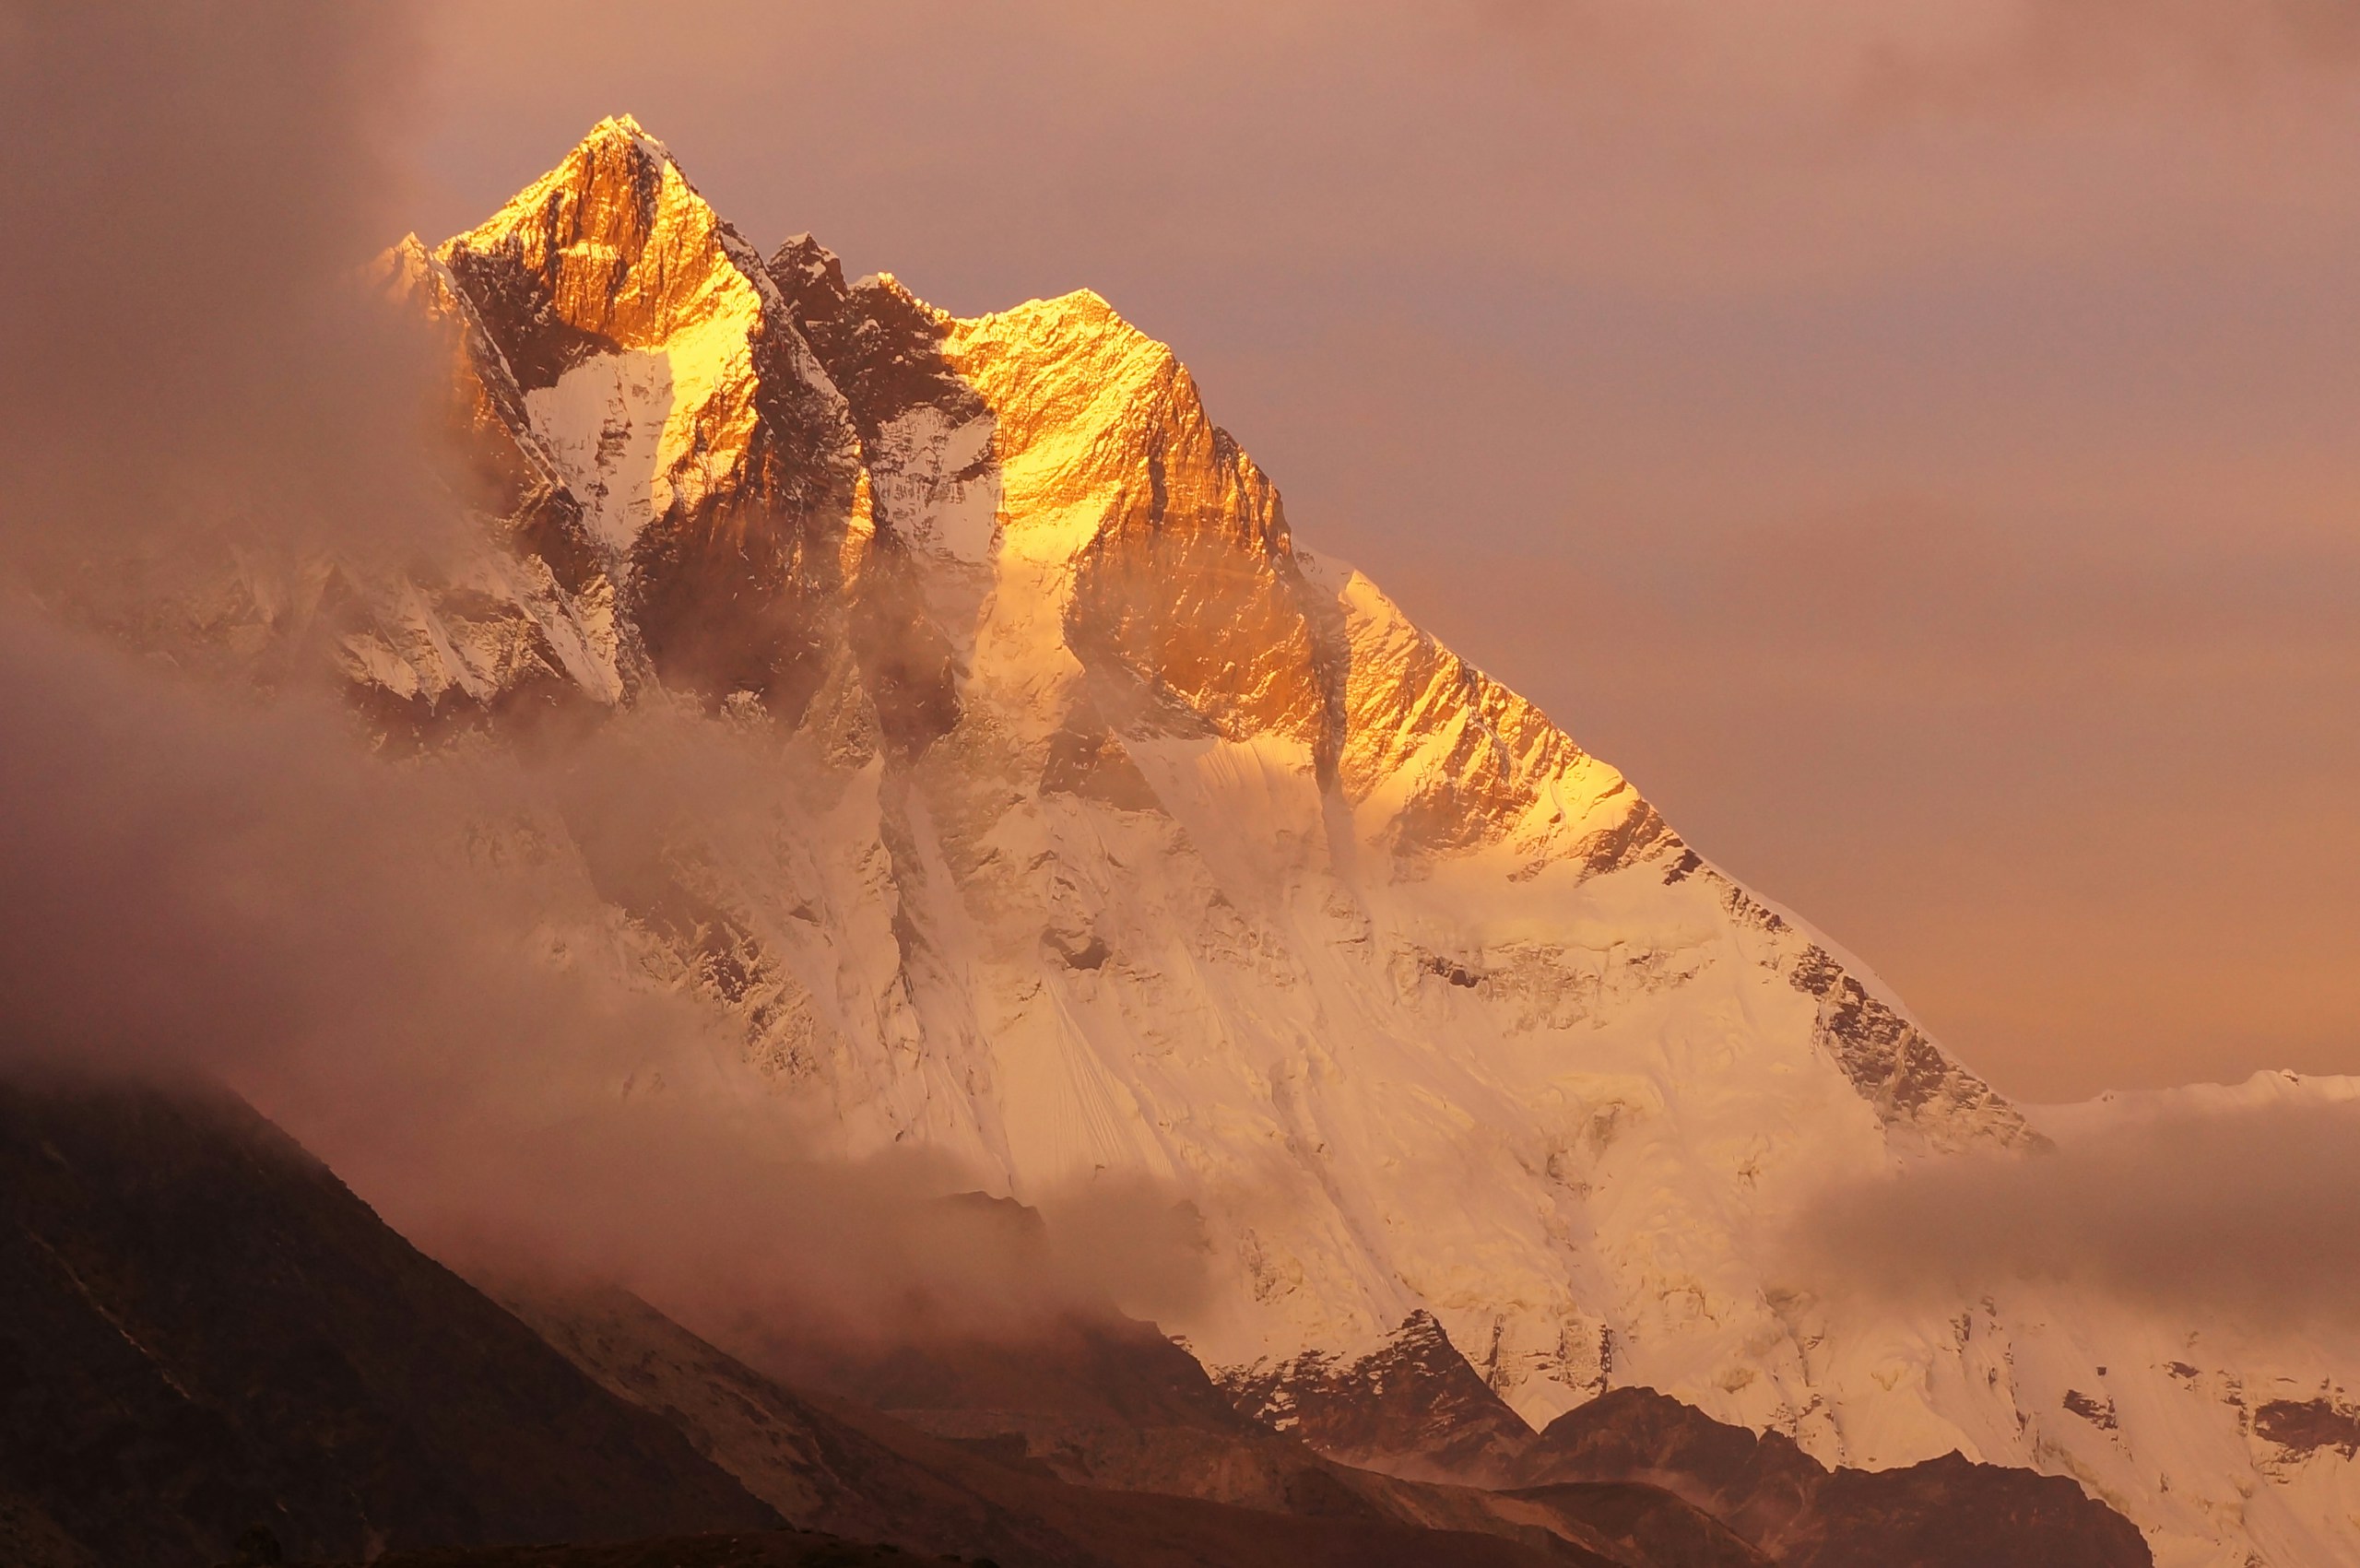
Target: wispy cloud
{"x": 2235, "y": 1208}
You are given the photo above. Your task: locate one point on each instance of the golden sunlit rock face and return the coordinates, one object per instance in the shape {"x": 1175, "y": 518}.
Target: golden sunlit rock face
{"x": 1113, "y": 831}
{"x": 630, "y": 355}
{"x": 1183, "y": 578}
{"x": 716, "y": 467}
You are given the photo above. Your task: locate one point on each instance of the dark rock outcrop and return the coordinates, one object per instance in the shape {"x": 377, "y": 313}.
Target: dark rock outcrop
{"x": 2304, "y": 1427}
{"x": 1945, "y": 1512}
{"x": 1642, "y": 1475}
{"x": 1414, "y": 1406}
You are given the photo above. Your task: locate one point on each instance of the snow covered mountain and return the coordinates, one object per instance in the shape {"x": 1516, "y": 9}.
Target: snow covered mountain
{"x": 1116, "y": 834}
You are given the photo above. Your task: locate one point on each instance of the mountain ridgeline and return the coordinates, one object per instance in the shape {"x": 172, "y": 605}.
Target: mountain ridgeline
{"x": 1119, "y": 835}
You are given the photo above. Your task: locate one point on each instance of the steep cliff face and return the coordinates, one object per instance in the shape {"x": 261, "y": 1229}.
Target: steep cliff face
{"x": 1414, "y": 1402}
{"x": 716, "y": 464}
{"x": 1117, "y": 832}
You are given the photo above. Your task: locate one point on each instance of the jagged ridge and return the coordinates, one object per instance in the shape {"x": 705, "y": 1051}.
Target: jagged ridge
{"x": 1131, "y": 836}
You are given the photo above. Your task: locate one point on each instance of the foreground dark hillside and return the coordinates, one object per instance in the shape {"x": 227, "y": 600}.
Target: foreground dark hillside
{"x": 203, "y": 1331}
{"x": 211, "y": 1351}
{"x": 769, "y": 1549}
{"x": 1945, "y": 1512}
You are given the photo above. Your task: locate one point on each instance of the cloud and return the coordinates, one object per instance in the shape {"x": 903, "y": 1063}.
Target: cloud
{"x": 191, "y": 185}
{"x": 2012, "y": 55}
{"x": 403, "y": 964}
{"x": 2238, "y": 1208}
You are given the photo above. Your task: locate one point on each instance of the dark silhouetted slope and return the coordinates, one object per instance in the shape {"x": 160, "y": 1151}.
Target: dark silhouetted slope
{"x": 1945, "y": 1512}
{"x": 202, "y": 1330}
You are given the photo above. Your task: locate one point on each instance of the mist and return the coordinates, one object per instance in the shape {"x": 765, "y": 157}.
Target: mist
{"x": 207, "y": 874}
{"x": 193, "y": 189}
{"x": 2226, "y": 1206}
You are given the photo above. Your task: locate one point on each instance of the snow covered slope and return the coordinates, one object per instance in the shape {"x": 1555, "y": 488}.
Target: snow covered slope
{"x": 1115, "y": 834}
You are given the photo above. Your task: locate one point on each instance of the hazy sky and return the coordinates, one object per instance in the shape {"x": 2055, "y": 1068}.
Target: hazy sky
{"x": 1921, "y": 445}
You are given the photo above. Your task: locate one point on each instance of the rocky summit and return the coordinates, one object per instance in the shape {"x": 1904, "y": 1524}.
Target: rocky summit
{"x": 1117, "y": 834}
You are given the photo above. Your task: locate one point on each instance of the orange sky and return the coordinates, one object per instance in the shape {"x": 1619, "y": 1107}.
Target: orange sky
{"x": 1925, "y": 456}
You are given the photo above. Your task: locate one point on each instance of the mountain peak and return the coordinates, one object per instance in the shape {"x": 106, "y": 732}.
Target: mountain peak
{"x": 620, "y": 126}
{"x": 613, "y": 247}
{"x": 612, "y": 188}
{"x": 622, "y": 131}
{"x": 659, "y": 369}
